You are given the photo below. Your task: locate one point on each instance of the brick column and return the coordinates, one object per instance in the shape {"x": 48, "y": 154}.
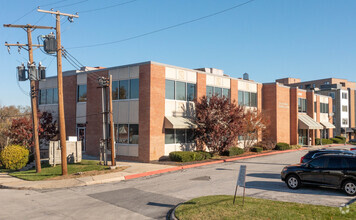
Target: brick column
{"x": 293, "y": 116}
{"x": 331, "y": 130}
{"x": 310, "y": 112}
{"x": 352, "y": 109}
{"x": 318, "y": 115}
{"x": 70, "y": 104}
{"x": 151, "y": 112}
{"x": 201, "y": 85}
{"x": 234, "y": 90}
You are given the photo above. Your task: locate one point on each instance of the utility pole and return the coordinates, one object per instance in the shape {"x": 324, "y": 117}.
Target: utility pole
{"x": 112, "y": 136}
{"x": 29, "y": 28}
{"x": 104, "y": 84}
{"x": 62, "y": 129}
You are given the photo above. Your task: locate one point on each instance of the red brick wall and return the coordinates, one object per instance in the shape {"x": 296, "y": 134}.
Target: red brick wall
{"x": 331, "y": 131}
{"x": 318, "y": 115}
{"x": 294, "y": 116}
{"x": 94, "y": 129}
{"x": 352, "y": 109}
{"x": 283, "y": 114}
{"x": 70, "y": 104}
{"x": 151, "y": 112}
{"x": 310, "y": 112}
{"x": 259, "y": 97}
{"x": 269, "y": 105}
{"x": 201, "y": 85}
{"x": 234, "y": 92}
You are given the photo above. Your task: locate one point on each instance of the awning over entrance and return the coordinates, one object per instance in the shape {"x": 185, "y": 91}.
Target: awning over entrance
{"x": 179, "y": 122}
{"x": 327, "y": 124}
{"x": 348, "y": 130}
{"x": 306, "y": 122}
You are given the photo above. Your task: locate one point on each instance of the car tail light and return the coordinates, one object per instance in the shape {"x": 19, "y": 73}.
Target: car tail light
{"x": 301, "y": 160}
{"x": 353, "y": 148}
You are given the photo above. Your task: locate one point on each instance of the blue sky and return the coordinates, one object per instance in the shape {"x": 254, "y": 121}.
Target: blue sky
{"x": 268, "y": 39}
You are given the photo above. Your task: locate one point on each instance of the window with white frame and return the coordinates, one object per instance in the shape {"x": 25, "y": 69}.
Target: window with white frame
{"x": 247, "y": 98}
{"x": 344, "y": 108}
{"x": 183, "y": 91}
{"x": 82, "y": 93}
{"x": 324, "y": 108}
{"x": 344, "y": 121}
{"x": 218, "y": 91}
{"x": 302, "y": 105}
{"x": 344, "y": 95}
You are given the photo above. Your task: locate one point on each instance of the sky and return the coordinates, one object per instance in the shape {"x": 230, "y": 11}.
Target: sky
{"x": 269, "y": 39}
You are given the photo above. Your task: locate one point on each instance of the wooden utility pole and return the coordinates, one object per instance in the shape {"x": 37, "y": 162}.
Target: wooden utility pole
{"x": 62, "y": 129}
{"x": 112, "y": 136}
{"x": 29, "y": 28}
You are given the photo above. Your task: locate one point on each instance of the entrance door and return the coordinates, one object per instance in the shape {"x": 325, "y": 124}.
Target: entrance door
{"x": 81, "y": 136}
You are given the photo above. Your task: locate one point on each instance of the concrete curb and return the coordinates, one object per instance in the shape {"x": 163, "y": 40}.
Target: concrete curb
{"x": 172, "y": 214}
{"x": 134, "y": 176}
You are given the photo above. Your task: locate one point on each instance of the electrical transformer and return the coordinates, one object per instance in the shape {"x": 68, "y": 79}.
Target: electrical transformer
{"x": 50, "y": 44}
{"x": 21, "y": 73}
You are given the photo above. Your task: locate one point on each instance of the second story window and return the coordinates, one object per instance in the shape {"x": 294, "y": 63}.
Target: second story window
{"x": 344, "y": 108}
{"x": 247, "y": 98}
{"x": 48, "y": 96}
{"x": 182, "y": 91}
{"x": 302, "y": 105}
{"x": 82, "y": 93}
{"x": 314, "y": 106}
{"x": 344, "y": 95}
{"x": 125, "y": 89}
{"x": 324, "y": 108}
{"x": 218, "y": 91}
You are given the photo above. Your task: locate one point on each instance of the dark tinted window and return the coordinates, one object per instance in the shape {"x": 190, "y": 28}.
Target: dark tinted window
{"x": 134, "y": 88}
{"x": 123, "y": 89}
{"x": 351, "y": 163}
{"x": 191, "y": 91}
{"x": 334, "y": 163}
{"x": 318, "y": 162}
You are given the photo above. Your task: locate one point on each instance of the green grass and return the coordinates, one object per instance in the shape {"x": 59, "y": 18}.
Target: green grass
{"x": 50, "y": 172}
{"x": 221, "y": 207}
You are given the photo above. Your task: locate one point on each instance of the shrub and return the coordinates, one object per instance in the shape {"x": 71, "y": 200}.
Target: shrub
{"x": 14, "y": 157}
{"x": 282, "y": 146}
{"x": 233, "y": 151}
{"x": 295, "y": 146}
{"x": 266, "y": 144}
{"x": 325, "y": 141}
{"x": 204, "y": 154}
{"x": 337, "y": 141}
{"x": 185, "y": 156}
{"x": 341, "y": 138}
{"x": 256, "y": 149}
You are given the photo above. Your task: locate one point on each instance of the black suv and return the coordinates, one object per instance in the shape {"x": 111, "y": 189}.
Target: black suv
{"x": 315, "y": 153}
{"x": 329, "y": 170}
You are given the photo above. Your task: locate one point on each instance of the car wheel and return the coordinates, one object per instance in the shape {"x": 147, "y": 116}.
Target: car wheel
{"x": 293, "y": 182}
{"x": 350, "y": 187}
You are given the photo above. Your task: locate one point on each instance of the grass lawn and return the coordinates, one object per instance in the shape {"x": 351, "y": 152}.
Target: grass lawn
{"x": 51, "y": 172}
{"x": 221, "y": 207}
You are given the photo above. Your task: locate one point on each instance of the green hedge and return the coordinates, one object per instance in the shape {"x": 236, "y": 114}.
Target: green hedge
{"x": 341, "y": 138}
{"x": 233, "y": 151}
{"x": 337, "y": 141}
{"x": 282, "y": 146}
{"x": 325, "y": 141}
{"x": 256, "y": 149}
{"x": 187, "y": 156}
{"x": 14, "y": 157}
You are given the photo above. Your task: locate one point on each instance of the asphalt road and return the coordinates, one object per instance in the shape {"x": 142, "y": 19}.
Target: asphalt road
{"x": 152, "y": 197}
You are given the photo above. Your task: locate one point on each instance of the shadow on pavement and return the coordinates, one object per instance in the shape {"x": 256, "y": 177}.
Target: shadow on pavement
{"x": 284, "y": 164}
{"x": 265, "y": 175}
{"x": 282, "y": 187}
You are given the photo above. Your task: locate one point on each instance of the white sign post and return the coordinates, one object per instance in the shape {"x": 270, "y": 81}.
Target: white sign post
{"x": 241, "y": 182}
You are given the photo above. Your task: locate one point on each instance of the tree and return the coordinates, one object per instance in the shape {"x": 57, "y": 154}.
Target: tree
{"x": 20, "y": 131}
{"x": 254, "y": 124}
{"x": 7, "y": 113}
{"x": 219, "y": 123}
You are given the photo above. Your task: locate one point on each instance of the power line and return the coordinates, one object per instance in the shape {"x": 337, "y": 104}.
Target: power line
{"x": 165, "y": 28}
{"x": 76, "y": 3}
{"x": 110, "y": 6}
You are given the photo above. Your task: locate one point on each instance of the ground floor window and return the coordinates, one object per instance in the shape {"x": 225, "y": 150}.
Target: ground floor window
{"x": 126, "y": 133}
{"x": 179, "y": 136}
{"x": 302, "y": 137}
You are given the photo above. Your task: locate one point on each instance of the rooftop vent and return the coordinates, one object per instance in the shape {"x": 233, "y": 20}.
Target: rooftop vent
{"x": 246, "y": 76}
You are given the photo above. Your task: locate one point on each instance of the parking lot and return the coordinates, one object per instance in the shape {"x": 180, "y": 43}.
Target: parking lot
{"x": 152, "y": 197}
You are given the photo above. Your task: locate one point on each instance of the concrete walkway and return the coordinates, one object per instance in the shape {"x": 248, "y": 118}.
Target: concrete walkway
{"x": 7, "y": 181}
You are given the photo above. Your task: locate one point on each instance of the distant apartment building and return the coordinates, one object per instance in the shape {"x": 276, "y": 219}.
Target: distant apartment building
{"x": 342, "y": 92}
{"x": 153, "y": 107}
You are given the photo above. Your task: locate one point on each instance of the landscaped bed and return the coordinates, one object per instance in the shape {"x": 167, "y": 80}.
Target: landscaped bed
{"x": 84, "y": 168}
{"x": 221, "y": 207}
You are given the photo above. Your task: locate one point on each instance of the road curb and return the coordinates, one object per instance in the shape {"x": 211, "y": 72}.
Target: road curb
{"x": 150, "y": 173}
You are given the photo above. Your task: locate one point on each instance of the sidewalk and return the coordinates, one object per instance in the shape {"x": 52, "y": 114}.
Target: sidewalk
{"x": 7, "y": 181}
{"x": 135, "y": 170}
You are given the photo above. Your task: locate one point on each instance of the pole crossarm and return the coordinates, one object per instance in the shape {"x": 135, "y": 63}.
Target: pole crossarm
{"x": 27, "y": 26}
{"x": 22, "y": 45}
{"x": 58, "y": 13}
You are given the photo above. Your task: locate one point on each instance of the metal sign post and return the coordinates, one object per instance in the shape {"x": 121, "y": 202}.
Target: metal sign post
{"x": 241, "y": 182}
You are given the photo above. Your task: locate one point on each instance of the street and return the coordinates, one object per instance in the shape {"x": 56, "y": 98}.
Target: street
{"x": 152, "y": 197}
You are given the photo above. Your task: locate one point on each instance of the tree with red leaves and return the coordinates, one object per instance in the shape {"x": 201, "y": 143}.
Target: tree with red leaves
{"x": 20, "y": 131}
{"x": 219, "y": 123}
{"x": 254, "y": 124}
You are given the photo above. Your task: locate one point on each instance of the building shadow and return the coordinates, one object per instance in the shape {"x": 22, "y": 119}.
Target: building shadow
{"x": 265, "y": 175}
